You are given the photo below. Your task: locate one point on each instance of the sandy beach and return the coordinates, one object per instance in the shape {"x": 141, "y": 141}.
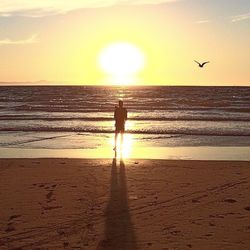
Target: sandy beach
{"x": 130, "y": 204}
{"x": 124, "y": 125}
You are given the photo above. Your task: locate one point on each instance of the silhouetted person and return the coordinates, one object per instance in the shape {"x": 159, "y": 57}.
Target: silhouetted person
{"x": 120, "y": 116}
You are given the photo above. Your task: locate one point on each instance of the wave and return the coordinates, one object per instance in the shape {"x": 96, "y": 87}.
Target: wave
{"x": 100, "y": 119}
{"x": 208, "y": 111}
{"x": 135, "y": 108}
{"x": 129, "y": 131}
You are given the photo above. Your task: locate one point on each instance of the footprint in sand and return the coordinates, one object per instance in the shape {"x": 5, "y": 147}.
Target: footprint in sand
{"x": 208, "y": 235}
{"x": 230, "y": 200}
{"x": 217, "y": 216}
{"x": 10, "y": 226}
{"x": 12, "y": 217}
{"x": 60, "y": 232}
{"x": 247, "y": 208}
{"x": 195, "y": 201}
{"x": 175, "y": 232}
{"x": 50, "y": 187}
{"x": 49, "y": 195}
{"x": 51, "y": 208}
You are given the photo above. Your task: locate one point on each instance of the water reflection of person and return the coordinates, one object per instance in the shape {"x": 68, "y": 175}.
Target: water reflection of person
{"x": 120, "y": 116}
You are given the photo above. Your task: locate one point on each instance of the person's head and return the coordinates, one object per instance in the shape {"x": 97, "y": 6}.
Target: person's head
{"x": 120, "y": 103}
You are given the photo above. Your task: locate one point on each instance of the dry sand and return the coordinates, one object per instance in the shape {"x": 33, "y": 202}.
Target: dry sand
{"x": 144, "y": 204}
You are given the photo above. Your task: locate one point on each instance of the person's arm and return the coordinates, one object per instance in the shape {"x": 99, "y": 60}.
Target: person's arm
{"x": 115, "y": 113}
{"x": 126, "y": 114}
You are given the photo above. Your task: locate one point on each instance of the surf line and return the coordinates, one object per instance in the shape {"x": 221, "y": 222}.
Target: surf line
{"x": 34, "y": 140}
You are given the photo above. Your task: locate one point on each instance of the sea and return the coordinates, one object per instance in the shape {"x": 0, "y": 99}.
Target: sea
{"x": 81, "y": 117}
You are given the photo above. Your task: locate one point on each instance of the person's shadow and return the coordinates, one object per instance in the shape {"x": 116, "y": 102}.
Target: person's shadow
{"x": 119, "y": 231}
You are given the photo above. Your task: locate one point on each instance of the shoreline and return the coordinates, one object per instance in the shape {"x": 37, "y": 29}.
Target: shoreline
{"x": 123, "y": 159}
{"x": 201, "y": 153}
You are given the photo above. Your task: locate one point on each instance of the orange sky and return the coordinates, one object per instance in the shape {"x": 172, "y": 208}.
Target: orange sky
{"x": 64, "y": 46}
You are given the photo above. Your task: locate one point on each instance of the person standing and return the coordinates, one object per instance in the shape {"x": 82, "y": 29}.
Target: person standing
{"x": 120, "y": 116}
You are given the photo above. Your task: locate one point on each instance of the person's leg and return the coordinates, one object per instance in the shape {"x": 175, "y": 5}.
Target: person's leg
{"x": 122, "y": 134}
{"x": 122, "y": 138}
{"x": 116, "y": 134}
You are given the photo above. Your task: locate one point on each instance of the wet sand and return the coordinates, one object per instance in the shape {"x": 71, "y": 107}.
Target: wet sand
{"x": 130, "y": 204}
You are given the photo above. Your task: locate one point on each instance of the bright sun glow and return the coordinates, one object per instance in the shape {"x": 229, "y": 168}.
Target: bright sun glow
{"x": 121, "y": 60}
{"x": 125, "y": 149}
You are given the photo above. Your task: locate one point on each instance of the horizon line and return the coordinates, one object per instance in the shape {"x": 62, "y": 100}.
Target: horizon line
{"x": 17, "y": 84}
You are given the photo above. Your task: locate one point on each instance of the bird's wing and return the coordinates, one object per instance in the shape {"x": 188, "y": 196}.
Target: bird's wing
{"x": 197, "y": 62}
{"x": 205, "y": 63}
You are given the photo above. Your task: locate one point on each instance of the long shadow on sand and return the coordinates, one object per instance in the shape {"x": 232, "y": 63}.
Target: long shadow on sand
{"x": 119, "y": 232}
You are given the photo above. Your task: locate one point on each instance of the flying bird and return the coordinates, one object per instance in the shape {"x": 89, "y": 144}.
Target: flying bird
{"x": 201, "y": 65}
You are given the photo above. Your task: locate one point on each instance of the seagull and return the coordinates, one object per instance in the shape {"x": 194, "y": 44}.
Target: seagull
{"x": 201, "y": 65}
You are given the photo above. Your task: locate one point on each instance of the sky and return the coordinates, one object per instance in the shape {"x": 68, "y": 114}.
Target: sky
{"x": 60, "y": 41}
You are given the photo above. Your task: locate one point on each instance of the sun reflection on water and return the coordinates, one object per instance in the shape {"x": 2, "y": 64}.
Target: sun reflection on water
{"x": 124, "y": 148}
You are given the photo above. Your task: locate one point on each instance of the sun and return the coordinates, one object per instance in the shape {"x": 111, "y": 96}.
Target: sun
{"x": 121, "y": 59}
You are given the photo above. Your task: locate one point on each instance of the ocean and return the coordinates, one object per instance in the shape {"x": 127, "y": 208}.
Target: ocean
{"x": 80, "y": 117}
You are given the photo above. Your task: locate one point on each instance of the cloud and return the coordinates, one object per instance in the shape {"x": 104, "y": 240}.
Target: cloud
{"x": 39, "y": 8}
{"x": 30, "y": 40}
{"x": 203, "y": 21}
{"x": 242, "y": 17}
